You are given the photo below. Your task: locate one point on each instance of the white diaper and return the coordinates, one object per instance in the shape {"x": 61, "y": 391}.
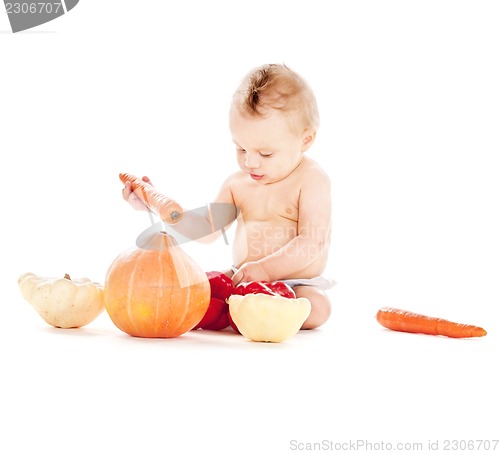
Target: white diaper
{"x": 320, "y": 282}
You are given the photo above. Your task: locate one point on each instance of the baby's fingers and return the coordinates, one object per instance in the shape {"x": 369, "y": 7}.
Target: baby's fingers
{"x": 130, "y": 197}
{"x": 250, "y": 271}
{"x": 126, "y": 191}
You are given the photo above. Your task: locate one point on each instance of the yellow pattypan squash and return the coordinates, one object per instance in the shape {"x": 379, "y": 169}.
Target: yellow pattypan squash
{"x": 268, "y": 318}
{"x": 63, "y": 302}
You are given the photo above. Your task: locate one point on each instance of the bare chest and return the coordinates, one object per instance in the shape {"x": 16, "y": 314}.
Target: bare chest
{"x": 268, "y": 202}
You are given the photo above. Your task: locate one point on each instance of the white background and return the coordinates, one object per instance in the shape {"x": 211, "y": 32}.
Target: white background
{"x": 409, "y": 100}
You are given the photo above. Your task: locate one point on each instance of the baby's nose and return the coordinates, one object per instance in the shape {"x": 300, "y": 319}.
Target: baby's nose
{"x": 252, "y": 161}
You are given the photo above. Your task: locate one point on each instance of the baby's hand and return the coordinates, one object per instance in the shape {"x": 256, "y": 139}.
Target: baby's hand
{"x": 250, "y": 271}
{"x": 131, "y": 198}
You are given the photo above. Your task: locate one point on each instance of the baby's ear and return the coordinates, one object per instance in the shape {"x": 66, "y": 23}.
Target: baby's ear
{"x": 308, "y": 139}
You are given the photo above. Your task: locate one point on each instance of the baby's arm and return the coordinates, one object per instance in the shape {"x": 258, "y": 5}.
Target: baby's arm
{"x": 205, "y": 223}
{"x": 312, "y": 240}
{"x": 210, "y": 221}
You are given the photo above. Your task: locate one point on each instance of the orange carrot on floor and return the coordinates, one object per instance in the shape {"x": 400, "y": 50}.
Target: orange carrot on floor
{"x": 166, "y": 208}
{"x": 410, "y": 322}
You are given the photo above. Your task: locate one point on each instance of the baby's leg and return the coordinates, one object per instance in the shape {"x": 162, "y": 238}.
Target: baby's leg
{"x": 320, "y": 305}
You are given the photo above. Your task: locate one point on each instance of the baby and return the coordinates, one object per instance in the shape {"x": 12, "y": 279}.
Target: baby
{"x": 282, "y": 197}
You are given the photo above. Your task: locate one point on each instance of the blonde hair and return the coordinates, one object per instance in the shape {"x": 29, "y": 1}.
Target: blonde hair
{"x": 275, "y": 86}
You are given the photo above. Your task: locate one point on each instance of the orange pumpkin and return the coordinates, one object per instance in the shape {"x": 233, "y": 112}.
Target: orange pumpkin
{"x": 157, "y": 290}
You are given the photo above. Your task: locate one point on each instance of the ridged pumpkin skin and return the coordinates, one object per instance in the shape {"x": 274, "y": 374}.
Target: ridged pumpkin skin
{"x": 157, "y": 291}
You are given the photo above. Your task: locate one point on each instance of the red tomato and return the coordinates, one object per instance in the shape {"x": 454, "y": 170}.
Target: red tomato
{"x": 222, "y": 322}
{"x": 246, "y": 288}
{"x": 268, "y": 288}
{"x": 222, "y": 287}
{"x": 213, "y": 313}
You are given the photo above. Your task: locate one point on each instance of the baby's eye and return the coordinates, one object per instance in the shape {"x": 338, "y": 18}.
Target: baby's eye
{"x": 240, "y": 150}
{"x": 266, "y": 155}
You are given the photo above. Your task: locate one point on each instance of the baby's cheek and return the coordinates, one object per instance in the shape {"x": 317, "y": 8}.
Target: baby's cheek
{"x": 241, "y": 161}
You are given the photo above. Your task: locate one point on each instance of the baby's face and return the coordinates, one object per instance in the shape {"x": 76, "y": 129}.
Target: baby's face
{"x": 267, "y": 148}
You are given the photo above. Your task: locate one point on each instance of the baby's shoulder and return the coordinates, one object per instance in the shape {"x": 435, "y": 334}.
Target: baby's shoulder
{"x": 312, "y": 171}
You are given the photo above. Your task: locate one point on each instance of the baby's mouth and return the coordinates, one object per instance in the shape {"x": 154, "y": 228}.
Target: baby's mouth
{"x": 256, "y": 177}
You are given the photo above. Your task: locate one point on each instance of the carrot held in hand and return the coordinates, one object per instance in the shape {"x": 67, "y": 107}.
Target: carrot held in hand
{"x": 401, "y": 320}
{"x": 167, "y": 209}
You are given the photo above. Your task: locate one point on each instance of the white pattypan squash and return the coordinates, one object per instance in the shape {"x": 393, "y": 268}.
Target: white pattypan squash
{"x": 268, "y": 318}
{"x": 63, "y": 302}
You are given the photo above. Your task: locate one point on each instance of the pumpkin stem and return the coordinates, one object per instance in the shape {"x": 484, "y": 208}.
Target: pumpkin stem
{"x": 66, "y": 276}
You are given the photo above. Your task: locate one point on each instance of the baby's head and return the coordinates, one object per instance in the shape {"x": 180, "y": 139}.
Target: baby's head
{"x": 276, "y": 87}
{"x": 273, "y": 120}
